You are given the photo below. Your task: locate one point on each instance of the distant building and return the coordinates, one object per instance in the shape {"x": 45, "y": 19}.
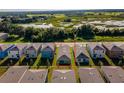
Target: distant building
{"x": 3, "y": 36}
{"x": 81, "y": 54}
{"x": 17, "y": 51}
{"x": 113, "y": 74}
{"x": 45, "y": 26}
{"x": 64, "y": 56}
{"x": 90, "y": 75}
{"x": 113, "y": 50}
{"x": 48, "y": 50}
{"x": 1, "y": 19}
{"x": 96, "y": 50}
{"x": 63, "y": 76}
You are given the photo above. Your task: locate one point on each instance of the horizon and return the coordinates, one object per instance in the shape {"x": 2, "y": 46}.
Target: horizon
{"x": 38, "y": 10}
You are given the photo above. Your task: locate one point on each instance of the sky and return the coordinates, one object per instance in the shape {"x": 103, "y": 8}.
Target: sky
{"x": 61, "y": 4}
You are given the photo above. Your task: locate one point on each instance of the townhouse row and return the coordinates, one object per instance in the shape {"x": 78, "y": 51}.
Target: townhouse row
{"x": 47, "y": 50}
{"x": 16, "y": 51}
{"x": 22, "y": 74}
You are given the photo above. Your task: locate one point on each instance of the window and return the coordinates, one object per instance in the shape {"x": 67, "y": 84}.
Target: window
{"x": 79, "y": 60}
{"x": 61, "y": 62}
{"x": 94, "y": 55}
{"x": 27, "y": 55}
{"x": 103, "y": 51}
{"x": 17, "y": 55}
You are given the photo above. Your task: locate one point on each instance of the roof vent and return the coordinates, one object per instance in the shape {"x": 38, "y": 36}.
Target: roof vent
{"x": 64, "y": 78}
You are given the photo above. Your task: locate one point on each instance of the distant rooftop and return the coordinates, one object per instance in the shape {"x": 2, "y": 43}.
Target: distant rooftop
{"x": 38, "y": 26}
{"x": 1, "y": 34}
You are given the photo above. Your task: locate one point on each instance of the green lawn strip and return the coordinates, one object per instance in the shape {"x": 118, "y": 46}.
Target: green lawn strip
{"x": 55, "y": 57}
{"x": 20, "y": 60}
{"x": 36, "y": 63}
{"x": 91, "y": 63}
{"x": 74, "y": 65}
{"x": 109, "y": 60}
{"x": 2, "y": 61}
{"x": 50, "y": 69}
{"x": 3, "y": 69}
{"x": 72, "y": 57}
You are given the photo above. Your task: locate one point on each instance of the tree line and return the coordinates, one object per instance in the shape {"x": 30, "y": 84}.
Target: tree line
{"x": 85, "y": 31}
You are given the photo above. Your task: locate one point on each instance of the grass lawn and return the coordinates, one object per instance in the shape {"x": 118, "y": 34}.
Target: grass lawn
{"x": 109, "y": 60}
{"x": 3, "y": 60}
{"x": 9, "y": 62}
{"x": 55, "y": 57}
{"x": 74, "y": 65}
{"x": 98, "y": 39}
{"x": 36, "y": 63}
{"x": 109, "y": 38}
{"x": 2, "y": 70}
{"x": 91, "y": 63}
{"x": 72, "y": 57}
{"x": 20, "y": 61}
{"x": 14, "y": 39}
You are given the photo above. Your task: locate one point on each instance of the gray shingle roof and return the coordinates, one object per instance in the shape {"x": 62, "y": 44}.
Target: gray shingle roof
{"x": 64, "y": 50}
{"x": 13, "y": 74}
{"x": 113, "y": 74}
{"x": 63, "y": 76}
{"x": 51, "y": 45}
{"x": 34, "y": 76}
{"x": 80, "y": 49}
{"x": 110, "y": 46}
{"x": 90, "y": 75}
{"x": 20, "y": 46}
{"x": 122, "y": 46}
{"x": 35, "y": 45}
{"x": 94, "y": 45}
{"x": 5, "y": 46}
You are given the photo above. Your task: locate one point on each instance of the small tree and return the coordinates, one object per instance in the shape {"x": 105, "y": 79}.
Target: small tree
{"x": 31, "y": 61}
{"x": 48, "y": 62}
{"x": 120, "y": 63}
{"x": 11, "y": 61}
{"x": 100, "y": 63}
